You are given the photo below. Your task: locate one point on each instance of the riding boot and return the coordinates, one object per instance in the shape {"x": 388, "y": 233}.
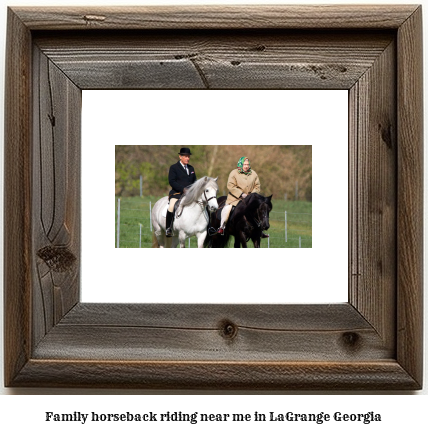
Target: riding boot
{"x": 221, "y": 229}
{"x": 168, "y": 225}
{"x": 264, "y": 235}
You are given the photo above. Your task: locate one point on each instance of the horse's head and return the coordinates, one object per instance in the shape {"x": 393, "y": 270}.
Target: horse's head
{"x": 210, "y": 194}
{"x": 263, "y": 211}
{"x": 204, "y": 191}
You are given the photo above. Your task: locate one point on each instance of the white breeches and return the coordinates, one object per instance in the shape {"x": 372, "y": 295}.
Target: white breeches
{"x": 225, "y": 215}
{"x": 171, "y": 204}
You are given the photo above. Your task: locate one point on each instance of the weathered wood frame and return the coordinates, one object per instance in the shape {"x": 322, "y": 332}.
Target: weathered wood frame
{"x": 372, "y": 342}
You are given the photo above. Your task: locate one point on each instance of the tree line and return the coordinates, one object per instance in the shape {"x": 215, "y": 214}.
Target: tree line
{"x": 284, "y": 171}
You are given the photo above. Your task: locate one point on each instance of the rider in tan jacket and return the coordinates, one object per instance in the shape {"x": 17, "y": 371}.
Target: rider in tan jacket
{"x": 242, "y": 182}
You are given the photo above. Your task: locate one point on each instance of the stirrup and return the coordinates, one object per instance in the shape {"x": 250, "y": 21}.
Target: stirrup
{"x": 211, "y": 231}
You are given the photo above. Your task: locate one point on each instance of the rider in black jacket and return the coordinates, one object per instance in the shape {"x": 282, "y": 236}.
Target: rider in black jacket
{"x": 181, "y": 175}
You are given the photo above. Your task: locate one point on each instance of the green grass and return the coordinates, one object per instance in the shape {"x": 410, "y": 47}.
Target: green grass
{"x": 135, "y": 219}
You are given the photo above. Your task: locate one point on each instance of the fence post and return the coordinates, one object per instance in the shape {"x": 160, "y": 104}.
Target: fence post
{"x": 118, "y": 222}
{"x": 300, "y": 242}
{"x": 150, "y": 204}
{"x": 141, "y": 185}
{"x": 189, "y": 242}
{"x": 285, "y": 226}
{"x": 140, "y": 234}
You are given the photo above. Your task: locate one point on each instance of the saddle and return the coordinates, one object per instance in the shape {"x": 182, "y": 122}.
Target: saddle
{"x": 176, "y": 205}
{"x": 218, "y": 212}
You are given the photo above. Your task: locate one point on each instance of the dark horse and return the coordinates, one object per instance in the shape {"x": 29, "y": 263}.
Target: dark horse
{"x": 247, "y": 221}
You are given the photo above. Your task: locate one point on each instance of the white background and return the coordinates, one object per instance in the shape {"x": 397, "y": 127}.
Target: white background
{"x": 318, "y": 118}
{"x": 399, "y": 412}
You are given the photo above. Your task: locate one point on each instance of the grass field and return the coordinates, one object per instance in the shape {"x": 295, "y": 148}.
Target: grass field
{"x": 135, "y": 230}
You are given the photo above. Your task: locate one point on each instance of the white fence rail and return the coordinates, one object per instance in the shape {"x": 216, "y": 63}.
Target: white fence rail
{"x": 134, "y": 228}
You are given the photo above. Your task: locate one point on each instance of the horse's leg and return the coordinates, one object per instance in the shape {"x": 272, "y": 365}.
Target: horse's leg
{"x": 160, "y": 236}
{"x": 201, "y": 238}
{"x": 240, "y": 239}
{"x": 256, "y": 242}
{"x": 255, "y": 238}
{"x": 165, "y": 240}
{"x": 182, "y": 239}
{"x": 243, "y": 239}
{"x": 155, "y": 242}
{"x": 237, "y": 243}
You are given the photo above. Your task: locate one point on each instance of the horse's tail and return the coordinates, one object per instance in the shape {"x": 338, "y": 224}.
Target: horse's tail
{"x": 155, "y": 244}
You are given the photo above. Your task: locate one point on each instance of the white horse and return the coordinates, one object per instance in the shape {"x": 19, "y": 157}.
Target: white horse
{"x": 191, "y": 217}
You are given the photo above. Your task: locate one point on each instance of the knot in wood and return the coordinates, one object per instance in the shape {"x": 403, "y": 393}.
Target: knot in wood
{"x": 228, "y": 329}
{"x": 351, "y": 340}
{"x": 386, "y": 134}
{"x": 94, "y": 18}
{"x": 58, "y": 259}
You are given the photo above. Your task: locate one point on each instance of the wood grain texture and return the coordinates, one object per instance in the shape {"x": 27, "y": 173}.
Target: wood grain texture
{"x": 372, "y": 342}
{"x": 410, "y": 196}
{"x": 56, "y": 194}
{"x": 217, "y": 17}
{"x": 342, "y": 317}
{"x": 373, "y": 178}
{"x": 216, "y": 59}
{"x": 17, "y": 199}
{"x": 200, "y": 332}
{"x": 386, "y": 375}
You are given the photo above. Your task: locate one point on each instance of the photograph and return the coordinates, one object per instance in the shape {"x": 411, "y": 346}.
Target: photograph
{"x": 213, "y": 196}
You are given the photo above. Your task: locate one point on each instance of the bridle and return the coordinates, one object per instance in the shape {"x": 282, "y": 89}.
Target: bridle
{"x": 258, "y": 222}
{"x": 212, "y": 197}
{"x": 202, "y": 203}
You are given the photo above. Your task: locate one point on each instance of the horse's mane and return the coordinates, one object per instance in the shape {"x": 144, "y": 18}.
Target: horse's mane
{"x": 249, "y": 204}
{"x": 193, "y": 193}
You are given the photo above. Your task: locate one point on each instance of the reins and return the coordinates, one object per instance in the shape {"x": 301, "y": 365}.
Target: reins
{"x": 200, "y": 202}
{"x": 210, "y": 230}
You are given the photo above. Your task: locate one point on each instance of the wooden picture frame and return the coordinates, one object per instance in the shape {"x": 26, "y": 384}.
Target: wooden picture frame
{"x": 372, "y": 342}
